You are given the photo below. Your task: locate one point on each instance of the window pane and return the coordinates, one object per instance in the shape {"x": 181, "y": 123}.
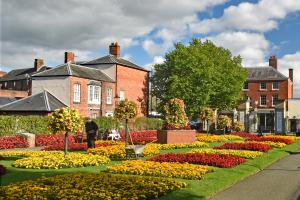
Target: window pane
{"x": 275, "y": 85}
{"x": 263, "y": 100}
{"x": 91, "y": 93}
{"x": 96, "y": 94}
{"x": 246, "y": 87}
{"x": 76, "y": 93}
{"x": 263, "y": 85}
{"x": 109, "y": 96}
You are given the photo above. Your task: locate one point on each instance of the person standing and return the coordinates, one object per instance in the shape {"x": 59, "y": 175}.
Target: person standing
{"x": 91, "y": 130}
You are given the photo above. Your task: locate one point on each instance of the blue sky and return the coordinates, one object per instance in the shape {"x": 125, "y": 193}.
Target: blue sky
{"x": 147, "y": 30}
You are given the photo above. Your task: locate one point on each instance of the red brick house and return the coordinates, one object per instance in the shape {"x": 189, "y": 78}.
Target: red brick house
{"x": 267, "y": 92}
{"x": 94, "y": 87}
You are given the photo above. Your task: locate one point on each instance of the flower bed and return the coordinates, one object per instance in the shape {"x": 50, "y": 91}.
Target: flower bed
{"x": 252, "y": 146}
{"x": 293, "y": 138}
{"x": 164, "y": 169}
{"x": 272, "y": 144}
{"x": 196, "y": 144}
{"x": 91, "y": 186}
{"x": 2, "y": 170}
{"x": 57, "y": 161}
{"x": 118, "y": 151}
{"x": 13, "y": 142}
{"x": 240, "y": 153}
{"x": 245, "y": 135}
{"x": 272, "y": 139}
{"x": 141, "y": 136}
{"x": 29, "y": 153}
{"x": 217, "y": 138}
{"x": 47, "y": 140}
{"x": 73, "y": 146}
{"x": 216, "y": 160}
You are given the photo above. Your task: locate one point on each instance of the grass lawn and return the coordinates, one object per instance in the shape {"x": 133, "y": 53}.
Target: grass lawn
{"x": 211, "y": 184}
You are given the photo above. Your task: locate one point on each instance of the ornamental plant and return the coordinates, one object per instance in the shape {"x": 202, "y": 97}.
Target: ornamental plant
{"x": 206, "y": 115}
{"x": 65, "y": 120}
{"x": 252, "y": 146}
{"x": 238, "y": 126}
{"x": 125, "y": 110}
{"x": 175, "y": 116}
{"x": 223, "y": 122}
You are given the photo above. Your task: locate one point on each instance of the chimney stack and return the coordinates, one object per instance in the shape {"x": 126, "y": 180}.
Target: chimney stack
{"x": 38, "y": 64}
{"x": 114, "y": 49}
{"x": 273, "y": 62}
{"x": 69, "y": 57}
{"x": 291, "y": 74}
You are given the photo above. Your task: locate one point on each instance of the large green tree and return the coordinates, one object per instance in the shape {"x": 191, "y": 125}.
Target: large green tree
{"x": 201, "y": 74}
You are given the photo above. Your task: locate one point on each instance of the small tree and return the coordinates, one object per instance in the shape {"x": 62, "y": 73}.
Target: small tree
{"x": 207, "y": 115}
{"x": 223, "y": 122}
{"x": 238, "y": 126}
{"x": 125, "y": 110}
{"x": 175, "y": 116}
{"x": 65, "y": 120}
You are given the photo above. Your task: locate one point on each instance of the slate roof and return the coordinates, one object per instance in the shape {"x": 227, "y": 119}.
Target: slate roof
{"x": 20, "y": 74}
{"x": 6, "y": 100}
{"x": 264, "y": 73}
{"x": 111, "y": 59}
{"x": 43, "y": 101}
{"x": 69, "y": 69}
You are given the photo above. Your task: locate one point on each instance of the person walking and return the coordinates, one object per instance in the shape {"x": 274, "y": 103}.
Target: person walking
{"x": 91, "y": 130}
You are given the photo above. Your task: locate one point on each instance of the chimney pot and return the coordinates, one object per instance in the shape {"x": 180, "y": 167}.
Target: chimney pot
{"x": 114, "y": 49}
{"x": 273, "y": 61}
{"x": 38, "y": 64}
{"x": 291, "y": 74}
{"x": 69, "y": 57}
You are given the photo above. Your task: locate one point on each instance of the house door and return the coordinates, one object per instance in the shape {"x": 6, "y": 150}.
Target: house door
{"x": 266, "y": 122}
{"x": 293, "y": 125}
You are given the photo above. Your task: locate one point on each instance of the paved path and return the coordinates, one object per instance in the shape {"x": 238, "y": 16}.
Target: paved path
{"x": 280, "y": 181}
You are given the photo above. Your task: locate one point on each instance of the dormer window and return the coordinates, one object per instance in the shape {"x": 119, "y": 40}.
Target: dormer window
{"x": 263, "y": 85}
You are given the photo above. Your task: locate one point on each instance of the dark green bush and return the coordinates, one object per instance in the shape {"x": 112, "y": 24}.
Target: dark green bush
{"x": 10, "y": 125}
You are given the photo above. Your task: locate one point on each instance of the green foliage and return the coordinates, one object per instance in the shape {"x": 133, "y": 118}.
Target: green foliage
{"x": 201, "y": 74}
{"x": 224, "y": 121}
{"x": 144, "y": 123}
{"x": 65, "y": 120}
{"x": 10, "y": 125}
{"x": 125, "y": 110}
{"x": 238, "y": 126}
{"x": 175, "y": 116}
{"x": 107, "y": 123}
{"x": 206, "y": 114}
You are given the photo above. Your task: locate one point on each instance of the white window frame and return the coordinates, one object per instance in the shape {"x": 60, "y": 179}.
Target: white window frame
{"x": 260, "y": 100}
{"x": 122, "y": 95}
{"x": 246, "y": 89}
{"x": 273, "y": 99}
{"x": 76, "y": 92}
{"x": 109, "y": 96}
{"x": 262, "y": 88}
{"x": 273, "y": 86}
{"x": 94, "y": 94}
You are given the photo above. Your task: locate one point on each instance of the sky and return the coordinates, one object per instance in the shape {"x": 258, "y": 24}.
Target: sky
{"x": 147, "y": 29}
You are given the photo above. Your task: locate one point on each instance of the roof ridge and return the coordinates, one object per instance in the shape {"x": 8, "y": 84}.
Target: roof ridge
{"x": 69, "y": 69}
{"x": 56, "y": 98}
{"x": 47, "y": 70}
{"x": 46, "y": 100}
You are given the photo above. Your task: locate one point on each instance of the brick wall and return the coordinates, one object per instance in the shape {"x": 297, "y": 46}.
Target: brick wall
{"x": 135, "y": 85}
{"x": 13, "y": 93}
{"x": 254, "y": 92}
{"x": 86, "y": 109}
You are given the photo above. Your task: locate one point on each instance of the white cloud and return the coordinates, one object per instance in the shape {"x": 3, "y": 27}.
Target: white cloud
{"x": 291, "y": 61}
{"x": 156, "y": 60}
{"x": 262, "y": 16}
{"x": 50, "y": 26}
{"x": 251, "y": 46}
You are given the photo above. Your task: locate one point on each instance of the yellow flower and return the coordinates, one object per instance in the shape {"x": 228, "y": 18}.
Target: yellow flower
{"x": 240, "y": 153}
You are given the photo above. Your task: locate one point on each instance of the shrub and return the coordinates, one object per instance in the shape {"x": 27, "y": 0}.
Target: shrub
{"x": 175, "y": 116}
{"x": 223, "y": 122}
{"x": 107, "y": 123}
{"x": 11, "y": 142}
{"x": 200, "y": 158}
{"x": 10, "y": 125}
{"x": 238, "y": 126}
{"x": 165, "y": 169}
{"x": 91, "y": 186}
{"x": 57, "y": 161}
{"x": 144, "y": 123}
{"x": 206, "y": 114}
{"x": 253, "y": 146}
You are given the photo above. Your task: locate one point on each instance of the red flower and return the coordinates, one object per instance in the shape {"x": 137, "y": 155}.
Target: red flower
{"x": 141, "y": 136}
{"x": 245, "y": 146}
{"x": 217, "y": 160}
{"x": 13, "y": 142}
{"x": 264, "y": 139}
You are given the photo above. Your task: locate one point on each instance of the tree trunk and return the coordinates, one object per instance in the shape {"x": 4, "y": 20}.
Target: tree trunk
{"x": 126, "y": 132}
{"x": 207, "y": 128}
{"x": 66, "y": 144}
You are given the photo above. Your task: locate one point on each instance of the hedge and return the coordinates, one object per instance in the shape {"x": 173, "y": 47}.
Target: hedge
{"x": 10, "y": 125}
